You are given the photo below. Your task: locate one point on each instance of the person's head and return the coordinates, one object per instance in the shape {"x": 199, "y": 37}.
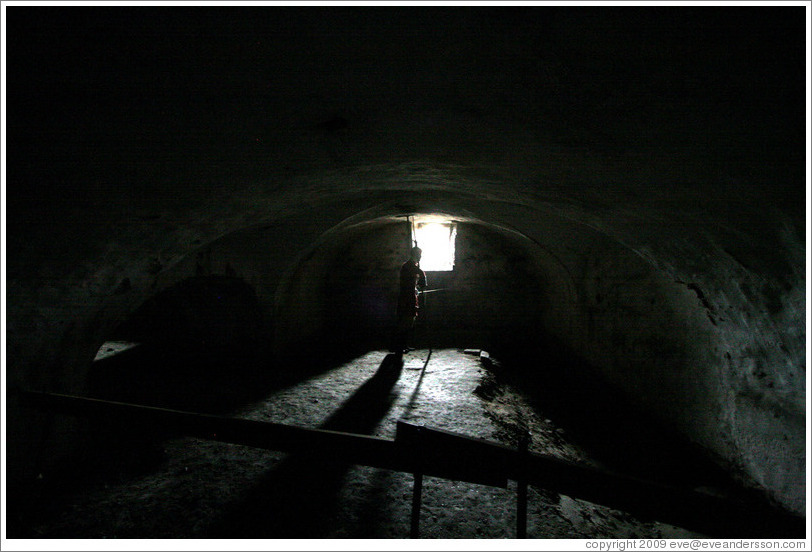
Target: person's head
{"x": 416, "y": 253}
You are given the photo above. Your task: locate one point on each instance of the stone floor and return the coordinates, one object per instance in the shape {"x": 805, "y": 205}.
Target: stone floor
{"x": 202, "y": 489}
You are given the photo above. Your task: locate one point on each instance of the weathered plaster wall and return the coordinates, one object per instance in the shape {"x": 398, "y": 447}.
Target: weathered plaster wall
{"x": 491, "y": 294}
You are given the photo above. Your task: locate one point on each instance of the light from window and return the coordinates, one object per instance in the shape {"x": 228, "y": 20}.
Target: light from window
{"x": 112, "y": 348}
{"x": 436, "y": 239}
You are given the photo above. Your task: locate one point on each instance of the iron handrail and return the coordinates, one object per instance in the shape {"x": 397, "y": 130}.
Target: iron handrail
{"x": 433, "y": 452}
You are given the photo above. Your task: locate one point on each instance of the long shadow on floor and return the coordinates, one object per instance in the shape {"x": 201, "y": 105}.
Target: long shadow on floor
{"x": 297, "y": 497}
{"x": 184, "y": 378}
{"x": 189, "y": 378}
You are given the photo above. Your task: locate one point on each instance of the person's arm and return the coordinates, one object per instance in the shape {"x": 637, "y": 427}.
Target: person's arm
{"x": 421, "y": 280}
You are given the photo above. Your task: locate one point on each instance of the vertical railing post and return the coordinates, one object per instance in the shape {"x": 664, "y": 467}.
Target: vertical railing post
{"x": 521, "y": 487}
{"x": 417, "y": 491}
{"x": 417, "y": 496}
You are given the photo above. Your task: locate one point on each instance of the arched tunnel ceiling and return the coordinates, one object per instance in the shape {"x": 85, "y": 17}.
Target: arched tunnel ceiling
{"x": 623, "y": 99}
{"x": 673, "y": 137}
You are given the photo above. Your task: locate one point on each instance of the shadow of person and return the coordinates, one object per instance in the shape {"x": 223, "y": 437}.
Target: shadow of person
{"x": 297, "y": 497}
{"x": 370, "y": 403}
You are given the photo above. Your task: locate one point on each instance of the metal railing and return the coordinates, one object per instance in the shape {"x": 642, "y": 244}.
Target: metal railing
{"x": 424, "y": 451}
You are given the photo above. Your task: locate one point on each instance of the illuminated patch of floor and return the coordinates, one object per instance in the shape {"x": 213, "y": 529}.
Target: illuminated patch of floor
{"x": 112, "y": 348}
{"x": 201, "y": 480}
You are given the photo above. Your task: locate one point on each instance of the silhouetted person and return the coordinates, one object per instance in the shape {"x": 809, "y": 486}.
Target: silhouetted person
{"x": 412, "y": 279}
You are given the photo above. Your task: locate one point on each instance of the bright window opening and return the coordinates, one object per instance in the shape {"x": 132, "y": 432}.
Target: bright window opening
{"x": 436, "y": 239}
